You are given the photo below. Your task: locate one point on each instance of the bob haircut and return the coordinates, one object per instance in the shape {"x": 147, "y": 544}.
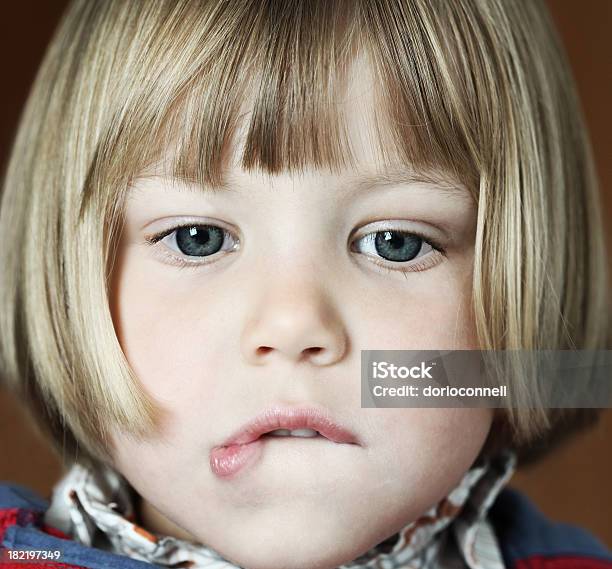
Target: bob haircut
{"x": 476, "y": 89}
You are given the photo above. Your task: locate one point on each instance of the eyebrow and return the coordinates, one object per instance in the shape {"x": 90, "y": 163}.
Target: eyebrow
{"x": 356, "y": 183}
{"x": 363, "y": 181}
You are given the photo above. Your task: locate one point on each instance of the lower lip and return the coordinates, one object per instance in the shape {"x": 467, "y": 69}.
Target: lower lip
{"x": 226, "y": 462}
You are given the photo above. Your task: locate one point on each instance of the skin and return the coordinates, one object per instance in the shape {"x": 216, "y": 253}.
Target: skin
{"x": 218, "y": 343}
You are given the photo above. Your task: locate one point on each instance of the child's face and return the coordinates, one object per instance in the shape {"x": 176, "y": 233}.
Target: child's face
{"x": 281, "y": 321}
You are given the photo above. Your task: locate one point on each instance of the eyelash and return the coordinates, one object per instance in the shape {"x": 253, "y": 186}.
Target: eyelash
{"x": 431, "y": 259}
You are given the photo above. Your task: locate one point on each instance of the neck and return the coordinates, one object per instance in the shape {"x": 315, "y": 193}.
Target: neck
{"x": 151, "y": 519}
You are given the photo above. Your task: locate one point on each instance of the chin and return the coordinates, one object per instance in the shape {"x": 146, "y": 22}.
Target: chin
{"x": 315, "y": 546}
{"x": 282, "y": 556}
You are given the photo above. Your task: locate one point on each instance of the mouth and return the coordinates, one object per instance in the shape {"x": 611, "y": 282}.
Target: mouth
{"x": 302, "y": 422}
{"x": 290, "y": 424}
{"x": 300, "y": 433}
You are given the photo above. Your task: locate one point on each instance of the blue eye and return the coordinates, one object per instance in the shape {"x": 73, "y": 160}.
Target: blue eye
{"x": 195, "y": 243}
{"x": 196, "y": 240}
{"x": 199, "y": 241}
{"x": 393, "y": 245}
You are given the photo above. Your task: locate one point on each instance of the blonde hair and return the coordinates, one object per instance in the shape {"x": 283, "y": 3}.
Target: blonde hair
{"x": 479, "y": 89}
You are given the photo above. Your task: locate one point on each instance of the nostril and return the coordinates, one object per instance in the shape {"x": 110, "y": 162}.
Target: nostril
{"x": 306, "y": 352}
{"x": 312, "y": 350}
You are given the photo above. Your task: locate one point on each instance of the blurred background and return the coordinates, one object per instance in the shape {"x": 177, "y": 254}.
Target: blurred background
{"x": 574, "y": 483}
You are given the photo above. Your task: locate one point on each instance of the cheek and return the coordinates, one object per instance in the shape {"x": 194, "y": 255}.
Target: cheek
{"x": 169, "y": 335}
{"x": 431, "y": 444}
{"x": 429, "y": 312}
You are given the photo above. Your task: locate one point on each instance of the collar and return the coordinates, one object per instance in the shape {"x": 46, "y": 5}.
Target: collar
{"x": 96, "y": 508}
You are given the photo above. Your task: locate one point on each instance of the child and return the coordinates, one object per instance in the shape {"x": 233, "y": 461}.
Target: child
{"x": 223, "y": 203}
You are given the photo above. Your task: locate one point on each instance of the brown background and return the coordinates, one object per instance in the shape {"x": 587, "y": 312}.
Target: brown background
{"x": 575, "y": 483}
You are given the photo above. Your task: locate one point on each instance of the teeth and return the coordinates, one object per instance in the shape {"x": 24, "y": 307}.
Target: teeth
{"x": 279, "y": 433}
{"x": 293, "y": 433}
{"x": 304, "y": 433}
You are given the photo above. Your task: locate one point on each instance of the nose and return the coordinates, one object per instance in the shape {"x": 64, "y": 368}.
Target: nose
{"x": 295, "y": 321}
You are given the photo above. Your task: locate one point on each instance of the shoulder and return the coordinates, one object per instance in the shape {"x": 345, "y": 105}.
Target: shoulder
{"x": 22, "y": 528}
{"x": 529, "y": 539}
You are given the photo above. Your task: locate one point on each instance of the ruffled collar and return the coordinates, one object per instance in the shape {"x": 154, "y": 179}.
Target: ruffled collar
{"x": 97, "y": 508}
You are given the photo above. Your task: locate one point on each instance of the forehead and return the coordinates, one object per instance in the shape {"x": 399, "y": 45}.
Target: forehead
{"x": 374, "y": 159}
{"x": 306, "y": 97}
{"x": 356, "y": 106}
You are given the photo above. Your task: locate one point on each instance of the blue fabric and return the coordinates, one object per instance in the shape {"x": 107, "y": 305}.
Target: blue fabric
{"x": 14, "y": 495}
{"x": 73, "y": 552}
{"x": 523, "y": 531}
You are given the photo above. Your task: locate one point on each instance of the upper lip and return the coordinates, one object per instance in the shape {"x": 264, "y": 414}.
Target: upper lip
{"x": 291, "y": 418}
